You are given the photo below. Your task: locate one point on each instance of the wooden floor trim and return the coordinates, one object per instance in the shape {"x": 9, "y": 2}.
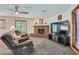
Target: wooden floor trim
{"x": 75, "y": 50}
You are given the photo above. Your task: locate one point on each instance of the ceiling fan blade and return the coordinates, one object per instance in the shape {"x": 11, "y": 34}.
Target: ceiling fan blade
{"x": 24, "y": 12}
{"x": 11, "y": 13}
{"x": 10, "y": 9}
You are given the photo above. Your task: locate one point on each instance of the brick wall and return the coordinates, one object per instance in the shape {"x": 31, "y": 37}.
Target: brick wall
{"x": 46, "y": 31}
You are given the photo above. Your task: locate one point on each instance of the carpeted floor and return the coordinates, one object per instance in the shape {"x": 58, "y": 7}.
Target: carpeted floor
{"x": 42, "y": 46}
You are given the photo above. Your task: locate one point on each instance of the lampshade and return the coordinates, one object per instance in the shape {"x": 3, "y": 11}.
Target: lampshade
{"x": 12, "y": 28}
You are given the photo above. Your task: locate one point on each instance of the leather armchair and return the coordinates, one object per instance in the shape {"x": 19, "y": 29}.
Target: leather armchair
{"x": 25, "y": 47}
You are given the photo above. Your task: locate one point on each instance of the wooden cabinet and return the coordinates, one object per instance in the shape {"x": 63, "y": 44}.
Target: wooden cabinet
{"x": 65, "y": 40}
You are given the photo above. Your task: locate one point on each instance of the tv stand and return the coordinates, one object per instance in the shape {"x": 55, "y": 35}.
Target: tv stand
{"x": 65, "y": 40}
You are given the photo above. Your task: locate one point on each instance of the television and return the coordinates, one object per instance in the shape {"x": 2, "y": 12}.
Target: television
{"x": 63, "y": 32}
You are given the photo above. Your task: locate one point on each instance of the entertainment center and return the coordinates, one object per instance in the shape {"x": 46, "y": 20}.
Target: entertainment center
{"x": 60, "y": 32}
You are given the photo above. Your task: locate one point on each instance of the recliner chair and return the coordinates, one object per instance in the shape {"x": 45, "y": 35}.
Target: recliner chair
{"x": 20, "y": 48}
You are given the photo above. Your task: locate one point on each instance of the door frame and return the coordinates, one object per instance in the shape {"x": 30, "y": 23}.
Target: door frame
{"x": 74, "y": 28}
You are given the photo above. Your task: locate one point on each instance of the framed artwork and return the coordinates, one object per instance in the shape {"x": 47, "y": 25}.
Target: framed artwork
{"x": 2, "y": 23}
{"x": 40, "y": 21}
{"x": 60, "y": 17}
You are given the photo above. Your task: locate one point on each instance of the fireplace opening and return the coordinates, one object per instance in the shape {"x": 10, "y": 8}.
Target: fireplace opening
{"x": 40, "y": 31}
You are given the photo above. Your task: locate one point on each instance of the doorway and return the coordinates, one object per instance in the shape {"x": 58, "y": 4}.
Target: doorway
{"x": 75, "y": 28}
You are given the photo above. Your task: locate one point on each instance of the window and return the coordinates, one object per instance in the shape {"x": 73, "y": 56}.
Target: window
{"x": 77, "y": 34}
{"x": 54, "y": 28}
{"x": 2, "y": 23}
{"x": 21, "y": 25}
{"x": 63, "y": 27}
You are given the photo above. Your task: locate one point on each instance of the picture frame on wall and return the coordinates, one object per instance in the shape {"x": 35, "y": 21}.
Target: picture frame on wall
{"x": 40, "y": 21}
{"x": 59, "y": 17}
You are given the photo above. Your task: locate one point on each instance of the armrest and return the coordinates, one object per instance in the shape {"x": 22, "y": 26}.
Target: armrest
{"x": 24, "y": 35}
{"x": 27, "y": 44}
{"x": 23, "y": 39}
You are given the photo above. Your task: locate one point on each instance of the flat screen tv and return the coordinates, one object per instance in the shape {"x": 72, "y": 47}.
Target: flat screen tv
{"x": 63, "y": 32}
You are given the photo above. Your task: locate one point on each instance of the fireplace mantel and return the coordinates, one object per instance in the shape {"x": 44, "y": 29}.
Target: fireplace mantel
{"x": 40, "y": 25}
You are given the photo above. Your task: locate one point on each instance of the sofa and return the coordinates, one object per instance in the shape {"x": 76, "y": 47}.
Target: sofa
{"x": 19, "y": 46}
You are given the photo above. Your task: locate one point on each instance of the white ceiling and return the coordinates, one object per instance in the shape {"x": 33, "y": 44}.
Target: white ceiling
{"x": 37, "y": 9}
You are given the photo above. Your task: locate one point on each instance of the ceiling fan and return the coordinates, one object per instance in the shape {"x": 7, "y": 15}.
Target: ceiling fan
{"x": 17, "y": 10}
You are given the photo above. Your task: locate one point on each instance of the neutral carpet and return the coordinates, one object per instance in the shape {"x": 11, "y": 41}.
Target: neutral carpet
{"x": 4, "y": 50}
{"x": 42, "y": 46}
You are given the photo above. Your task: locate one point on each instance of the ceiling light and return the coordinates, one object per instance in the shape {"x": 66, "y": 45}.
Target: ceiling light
{"x": 44, "y": 11}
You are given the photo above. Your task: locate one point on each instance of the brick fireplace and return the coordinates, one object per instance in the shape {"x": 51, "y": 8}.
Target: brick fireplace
{"x": 41, "y": 31}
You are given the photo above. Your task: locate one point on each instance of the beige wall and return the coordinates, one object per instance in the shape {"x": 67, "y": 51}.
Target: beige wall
{"x": 10, "y": 21}
{"x": 45, "y": 20}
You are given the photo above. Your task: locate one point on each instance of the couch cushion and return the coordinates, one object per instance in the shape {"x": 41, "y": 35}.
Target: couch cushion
{"x": 23, "y": 39}
{"x": 24, "y": 34}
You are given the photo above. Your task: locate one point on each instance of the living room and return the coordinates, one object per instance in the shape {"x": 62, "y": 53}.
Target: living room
{"x": 35, "y": 22}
